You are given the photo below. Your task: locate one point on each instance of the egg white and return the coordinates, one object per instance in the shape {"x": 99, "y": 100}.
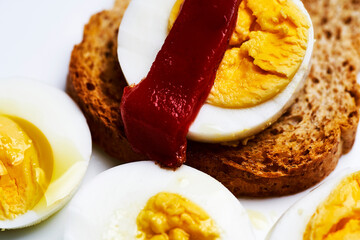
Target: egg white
{"x": 293, "y": 222}
{"x": 142, "y": 33}
{"x": 122, "y": 192}
{"x": 54, "y": 113}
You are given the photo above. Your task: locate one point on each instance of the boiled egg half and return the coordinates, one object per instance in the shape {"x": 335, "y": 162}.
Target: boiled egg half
{"x": 144, "y": 28}
{"x": 330, "y": 211}
{"x": 45, "y": 147}
{"x": 122, "y": 200}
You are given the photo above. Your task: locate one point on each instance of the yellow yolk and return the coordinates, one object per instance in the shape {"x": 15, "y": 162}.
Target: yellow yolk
{"x": 265, "y": 51}
{"x": 22, "y": 179}
{"x": 338, "y": 217}
{"x": 169, "y": 216}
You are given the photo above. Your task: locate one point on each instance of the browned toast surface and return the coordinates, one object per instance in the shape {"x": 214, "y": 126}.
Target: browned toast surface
{"x": 96, "y": 82}
{"x": 296, "y": 152}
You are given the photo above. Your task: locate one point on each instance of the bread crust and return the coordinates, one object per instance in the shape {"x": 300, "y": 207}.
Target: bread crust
{"x": 95, "y": 82}
{"x": 294, "y": 153}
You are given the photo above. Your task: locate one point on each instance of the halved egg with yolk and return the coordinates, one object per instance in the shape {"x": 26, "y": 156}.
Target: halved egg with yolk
{"x": 45, "y": 147}
{"x": 330, "y": 211}
{"x": 142, "y": 201}
{"x": 259, "y": 77}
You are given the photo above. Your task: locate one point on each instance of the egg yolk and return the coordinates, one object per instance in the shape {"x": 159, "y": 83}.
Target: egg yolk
{"x": 338, "y": 217}
{"x": 265, "y": 51}
{"x": 169, "y": 216}
{"x": 22, "y": 178}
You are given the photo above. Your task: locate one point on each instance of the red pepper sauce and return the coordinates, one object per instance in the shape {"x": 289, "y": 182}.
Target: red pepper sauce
{"x": 158, "y": 112}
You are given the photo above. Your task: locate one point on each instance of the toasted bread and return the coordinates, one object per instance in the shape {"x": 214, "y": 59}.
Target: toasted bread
{"x": 294, "y": 153}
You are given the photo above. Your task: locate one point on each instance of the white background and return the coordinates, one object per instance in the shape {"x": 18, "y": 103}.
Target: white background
{"x": 36, "y": 39}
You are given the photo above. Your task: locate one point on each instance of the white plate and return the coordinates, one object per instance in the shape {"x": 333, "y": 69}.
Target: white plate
{"x": 36, "y": 41}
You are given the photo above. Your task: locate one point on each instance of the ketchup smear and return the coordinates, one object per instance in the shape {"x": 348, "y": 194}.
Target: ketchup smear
{"x": 158, "y": 112}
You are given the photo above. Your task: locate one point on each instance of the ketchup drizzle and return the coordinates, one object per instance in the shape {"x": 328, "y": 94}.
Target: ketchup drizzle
{"x": 158, "y": 112}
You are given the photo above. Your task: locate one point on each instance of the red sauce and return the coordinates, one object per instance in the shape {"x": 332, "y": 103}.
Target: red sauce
{"x": 158, "y": 112}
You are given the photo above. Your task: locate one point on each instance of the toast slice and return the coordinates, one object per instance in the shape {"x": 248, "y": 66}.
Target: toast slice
{"x": 294, "y": 153}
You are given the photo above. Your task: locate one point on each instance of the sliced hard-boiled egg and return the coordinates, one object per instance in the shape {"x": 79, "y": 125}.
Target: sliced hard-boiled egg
{"x": 113, "y": 204}
{"x": 45, "y": 147}
{"x": 141, "y": 34}
{"x": 327, "y": 210}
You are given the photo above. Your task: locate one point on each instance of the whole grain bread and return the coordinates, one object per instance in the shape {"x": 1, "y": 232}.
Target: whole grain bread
{"x": 294, "y": 153}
